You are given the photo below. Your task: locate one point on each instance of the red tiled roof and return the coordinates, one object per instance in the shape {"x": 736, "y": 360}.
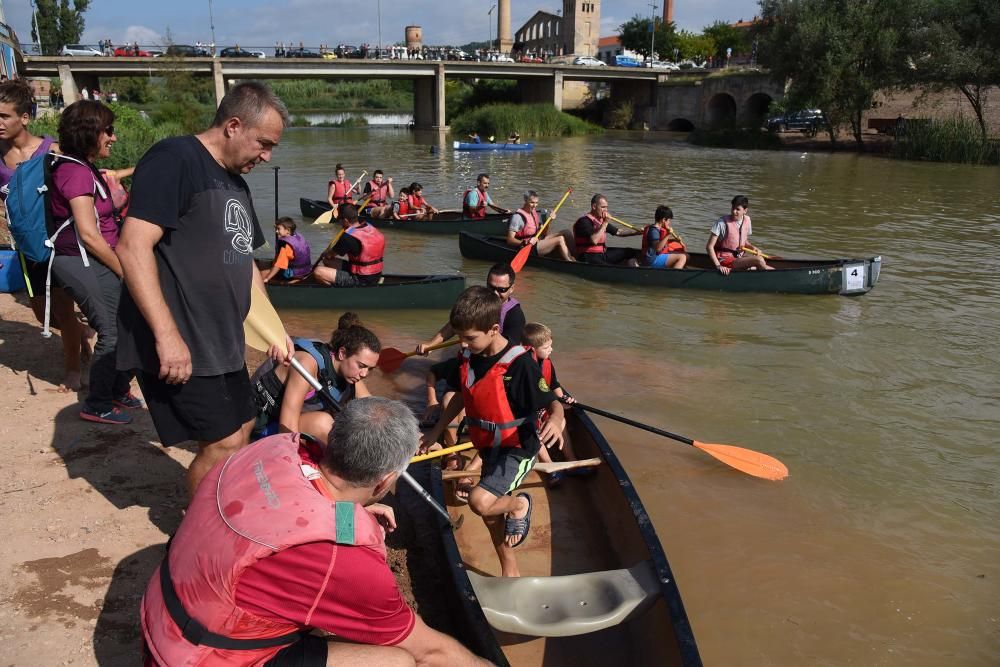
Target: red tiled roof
{"x": 614, "y": 40}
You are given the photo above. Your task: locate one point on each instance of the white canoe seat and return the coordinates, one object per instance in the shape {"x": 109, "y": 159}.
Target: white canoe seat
{"x": 563, "y": 606}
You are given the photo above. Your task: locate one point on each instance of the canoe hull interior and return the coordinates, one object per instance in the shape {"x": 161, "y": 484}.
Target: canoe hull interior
{"x": 494, "y": 224}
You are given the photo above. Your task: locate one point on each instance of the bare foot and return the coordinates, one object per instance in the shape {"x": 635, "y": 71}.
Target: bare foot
{"x": 70, "y": 384}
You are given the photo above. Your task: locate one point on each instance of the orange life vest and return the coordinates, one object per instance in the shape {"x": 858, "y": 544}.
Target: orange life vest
{"x": 584, "y": 244}
{"x": 369, "y": 262}
{"x": 532, "y": 222}
{"x": 671, "y": 246}
{"x": 735, "y": 238}
{"x": 417, "y": 203}
{"x": 342, "y": 192}
{"x": 404, "y": 206}
{"x": 251, "y": 506}
{"x": 378, "y": 193}
{"x": 479, "y": 211}
{"x": 487, "y": 409}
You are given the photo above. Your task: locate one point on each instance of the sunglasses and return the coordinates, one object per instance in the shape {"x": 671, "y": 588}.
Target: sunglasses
{"x": 501, "y": 290}
{"x": 109, "y": 130}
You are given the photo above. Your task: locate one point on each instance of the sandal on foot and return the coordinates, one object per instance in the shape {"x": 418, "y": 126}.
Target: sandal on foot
{"x": 464, "y": 485}
{"x": 518, "y": 527}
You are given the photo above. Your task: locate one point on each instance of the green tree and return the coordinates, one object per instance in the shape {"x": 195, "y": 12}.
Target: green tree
{"x": 58, "y": 24}
{"x": 694, "y": 46}
{"x": 635, "y": 36}
{"x": 725, "y": 37}
{"x": 836, "y": 54}
{"x": 961, "y": 50}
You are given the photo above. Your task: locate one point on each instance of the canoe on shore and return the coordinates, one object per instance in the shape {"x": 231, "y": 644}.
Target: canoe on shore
{"x": 393, "y": 293}
{"x": 595, "y": 588}
{"x": 848, "y": 277}
{"x": 463, "y": 146}
{"x": 449, "y": 222}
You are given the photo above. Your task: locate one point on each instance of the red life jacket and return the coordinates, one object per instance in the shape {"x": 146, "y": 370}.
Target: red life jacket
{"x": 491, "y": 419}
{"x": 378, "y": 193}
{"x": 257, "y": 503}
{"x": 532, "y": 222}
{"x": 369, "y": 262}
{"x": 416, "y": 203}
{"x": 342, "y": 192}
{"x": 584, "y": 244}
{"x": 735, "y": 238}
{"x": 671, "y": 246}
{"x": 479, "y": 211}
{"x": 404, "y": 206}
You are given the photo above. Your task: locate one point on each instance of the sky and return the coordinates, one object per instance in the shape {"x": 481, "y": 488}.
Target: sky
{"x": 261, "y": 23}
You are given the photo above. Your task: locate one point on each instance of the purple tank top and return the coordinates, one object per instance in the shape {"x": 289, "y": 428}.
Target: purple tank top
{"x": 6, "y": 173}
{"x": 508, "y": 305}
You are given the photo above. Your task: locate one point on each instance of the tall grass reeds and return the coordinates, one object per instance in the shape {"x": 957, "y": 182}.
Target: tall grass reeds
{"x": 529, "y": 120}
{"x": 315, "y": 95}
{"x": 947, "y": 140}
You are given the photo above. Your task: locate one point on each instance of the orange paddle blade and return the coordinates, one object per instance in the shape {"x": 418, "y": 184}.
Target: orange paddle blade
{"x": 390, "y": 359}
{"x": 746, "y": 460}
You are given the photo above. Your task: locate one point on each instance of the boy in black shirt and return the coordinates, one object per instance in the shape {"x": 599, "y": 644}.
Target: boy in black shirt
{"x": 502, "y": 391}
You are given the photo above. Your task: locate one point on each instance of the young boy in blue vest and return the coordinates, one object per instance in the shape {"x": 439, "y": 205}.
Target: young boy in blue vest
{"x": 501, "y": 390}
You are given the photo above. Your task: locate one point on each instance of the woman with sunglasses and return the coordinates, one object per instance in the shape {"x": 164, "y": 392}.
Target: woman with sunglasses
{"x": 85, "y": 262}
{"x": 18, "y": 145}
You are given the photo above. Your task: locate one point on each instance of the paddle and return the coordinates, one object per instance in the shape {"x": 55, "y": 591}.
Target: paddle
{"x": 759, "y": 253}
{"x": 329, "y": 246}
{"x": 461, "y": 447}
{"x": 744, "y": 460}
{"x": 547, "y": 468}
{"x": 622, "y": 222}
{"x": 263, "y": 328}
{"x": 391, "y": 359}
{"x": 328, "y": 216}
{"x": 522, "y": 255}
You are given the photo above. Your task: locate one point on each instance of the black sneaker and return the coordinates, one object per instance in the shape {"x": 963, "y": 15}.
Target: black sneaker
{"x": 128, "y": 402}
{"x": 112, "y": 416}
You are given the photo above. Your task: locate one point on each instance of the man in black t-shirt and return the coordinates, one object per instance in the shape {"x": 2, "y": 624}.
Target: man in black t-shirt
{"x": 186, "y": 249}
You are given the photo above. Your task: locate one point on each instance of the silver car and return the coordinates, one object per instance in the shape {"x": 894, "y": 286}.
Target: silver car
{"x": 80, "y": 50}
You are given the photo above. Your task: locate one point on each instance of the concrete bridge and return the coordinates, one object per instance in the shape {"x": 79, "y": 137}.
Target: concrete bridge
{"x": 661, "y": 100}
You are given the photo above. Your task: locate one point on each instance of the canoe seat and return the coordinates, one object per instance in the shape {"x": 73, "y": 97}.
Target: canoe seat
{"x": 563, "y": 606}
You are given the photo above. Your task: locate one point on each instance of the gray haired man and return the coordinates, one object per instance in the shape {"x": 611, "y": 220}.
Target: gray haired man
{"x": 286, "y": 537}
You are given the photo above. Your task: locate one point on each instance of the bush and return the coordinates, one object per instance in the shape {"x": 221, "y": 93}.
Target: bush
{"x": 951, "y": 140}
{"x": 530, "y": 120}
{"x": 620, "y": 116}
{"x": 317, "y": 95}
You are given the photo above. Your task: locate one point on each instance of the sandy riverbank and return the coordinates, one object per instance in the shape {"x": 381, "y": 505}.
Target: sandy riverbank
{"x": 87, "y": 509}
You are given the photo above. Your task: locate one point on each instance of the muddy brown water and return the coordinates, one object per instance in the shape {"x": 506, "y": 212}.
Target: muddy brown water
{"x": 883, "y": 546}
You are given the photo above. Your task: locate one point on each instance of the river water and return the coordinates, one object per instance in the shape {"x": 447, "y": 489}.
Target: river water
{"x": 883, "y": 546}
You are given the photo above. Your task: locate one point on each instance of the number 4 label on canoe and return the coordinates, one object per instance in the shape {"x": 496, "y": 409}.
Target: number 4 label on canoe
{"x": 854, "y": 277}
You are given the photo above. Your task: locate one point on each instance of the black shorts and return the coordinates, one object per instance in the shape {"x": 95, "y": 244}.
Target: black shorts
{"x": 310, "y": 651}
{"x": 205, "y": 408}
{"x": 504, "y": 469}
{"x": 37, "y": 271}
{"x": 612, "y": 256}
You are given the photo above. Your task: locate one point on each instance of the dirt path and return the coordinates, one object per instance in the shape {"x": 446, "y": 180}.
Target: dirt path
{"x": 87, "y": 509}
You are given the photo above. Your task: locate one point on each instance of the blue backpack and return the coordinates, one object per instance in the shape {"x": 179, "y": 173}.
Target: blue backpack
{"x": 29, "y": 214}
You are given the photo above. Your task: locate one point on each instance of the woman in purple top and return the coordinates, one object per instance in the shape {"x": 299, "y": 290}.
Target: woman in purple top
{"x": 85, "y": 262}
{"x": 17, "y": 145}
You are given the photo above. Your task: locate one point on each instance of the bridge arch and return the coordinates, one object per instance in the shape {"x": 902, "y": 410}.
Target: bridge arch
{"x": 680, "y": 125}
{"x": 755, "y": 109}
{"x": 720, "y": 111}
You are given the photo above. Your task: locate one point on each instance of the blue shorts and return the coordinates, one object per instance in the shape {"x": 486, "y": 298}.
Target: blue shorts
{"x": 660, "y": 261}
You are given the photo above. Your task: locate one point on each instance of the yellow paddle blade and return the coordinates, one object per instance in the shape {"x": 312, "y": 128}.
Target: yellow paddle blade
{"x": 262, "y": 327}
{"x": 746, "y": 460}
{"x": 324, "y": 218}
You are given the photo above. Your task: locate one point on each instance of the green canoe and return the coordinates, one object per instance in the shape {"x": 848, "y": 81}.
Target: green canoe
{"x": 849, "y": 277}
{"x": 394, "y": 293}
{"x": 494, "y": 224}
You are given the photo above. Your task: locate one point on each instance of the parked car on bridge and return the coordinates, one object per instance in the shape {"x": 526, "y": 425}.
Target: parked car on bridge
{"x": 589, "y": 61}
{"x": 808, "y": 121}
{"x": 79, "y": 50}
{"x": 131, "y": 51}
{"x": 627, "y": 61}
{"x": 301, "y": 53}
{"x": 663, "y": 64}
{"x": 530, "y": 59}
{"x": 237, "y": 52}
{"x": 187, "y": 51}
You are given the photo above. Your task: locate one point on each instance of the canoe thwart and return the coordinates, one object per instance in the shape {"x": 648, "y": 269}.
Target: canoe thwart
{"x": 564, "y": 606}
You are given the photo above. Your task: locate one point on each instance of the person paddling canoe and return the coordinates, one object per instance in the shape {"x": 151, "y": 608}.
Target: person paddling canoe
{"x": 291, "y": 257}
{"x": 364, "y": 247}
{"x": 380, "y": 193}
{"x": 659, "y": 250}
{"x": 340, "y": 190}
{"x": 476, "y": 200}
{"x": 526, "y": 222}
{"x": 418, "y": 205}
{"x": 590, "y": 234}
{"x": 730, "y": 239}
